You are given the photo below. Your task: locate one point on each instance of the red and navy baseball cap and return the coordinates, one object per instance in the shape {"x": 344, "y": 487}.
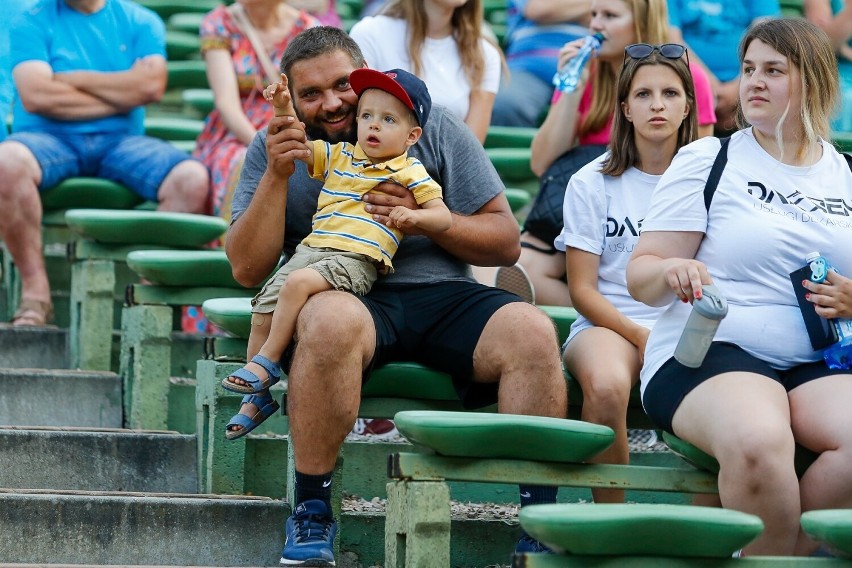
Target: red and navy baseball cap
{"x": 408, "y": 88}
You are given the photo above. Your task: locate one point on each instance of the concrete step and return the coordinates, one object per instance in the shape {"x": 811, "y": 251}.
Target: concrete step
{"x": 97, "y": 460}
{"x": 79, "y": 531}
{"x": 52, "y": 527}
{"x": 45, "y": 397}
{"x": 28, "y": 347}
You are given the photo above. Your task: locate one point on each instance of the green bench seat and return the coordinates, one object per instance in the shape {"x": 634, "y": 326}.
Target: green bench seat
{"x": 107, "y": 236}
{"x": 513, "y": 164}
{"x": 189, "y": 22}
{"x": 509, "y": 137}
{"x": 174, "y": 129}
{"x": 88, "y": 192}
{"x": 684, "y": 531}
{"x": 148, "y": 227}
{"x": 497, "y": 448}
{"x": 504, "y": 436}
{"x": 518, "y": 198}
{"x": 200, "y": 100}
{"x": 167, "y": 8}
{"x": 174, "y": 278}
{"x": 190, "y": 74}
{"x": 182, "y": 45}
{"x": 830, "y": 526}
{"x": 183, "y": 268}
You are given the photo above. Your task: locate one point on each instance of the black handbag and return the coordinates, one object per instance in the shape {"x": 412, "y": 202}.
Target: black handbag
{"x": 545, "y": 217}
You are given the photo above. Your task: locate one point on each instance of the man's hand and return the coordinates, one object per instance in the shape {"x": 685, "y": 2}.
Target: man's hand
{"x": 386, "y": 196}
{"x": 285, "y": 143}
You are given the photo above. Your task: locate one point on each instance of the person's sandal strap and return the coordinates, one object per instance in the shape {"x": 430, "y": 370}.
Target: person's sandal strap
{"x": 41, "y": 313}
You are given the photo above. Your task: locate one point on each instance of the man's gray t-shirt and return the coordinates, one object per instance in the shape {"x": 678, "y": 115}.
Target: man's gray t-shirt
{"x": 450, "y": 153}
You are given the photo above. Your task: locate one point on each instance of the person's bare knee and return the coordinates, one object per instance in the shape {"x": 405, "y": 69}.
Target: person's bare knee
{"x": 335, "y": 341}
{"x": 19, "y": 172}
{"x": 519, "y": 348}
{"x": 186, "y": 189}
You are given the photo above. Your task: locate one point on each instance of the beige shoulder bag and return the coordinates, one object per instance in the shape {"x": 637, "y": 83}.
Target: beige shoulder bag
{"x": 244, "y": 24}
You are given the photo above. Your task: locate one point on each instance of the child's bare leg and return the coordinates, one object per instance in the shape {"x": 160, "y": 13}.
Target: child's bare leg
{"x": 300, "y": 285}
{"x": 272, "y": 333}
{"x": 260, "y": 326}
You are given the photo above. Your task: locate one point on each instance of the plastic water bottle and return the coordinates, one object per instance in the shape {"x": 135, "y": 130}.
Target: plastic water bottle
{"x": 568, "y": 75}
{"x": 839, "y": 354}
{"x": 701, "y": 327}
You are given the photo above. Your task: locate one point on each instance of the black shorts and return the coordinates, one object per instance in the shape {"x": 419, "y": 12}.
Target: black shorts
{"x": 673, "y": 381}
{"x": 437, "y": 325}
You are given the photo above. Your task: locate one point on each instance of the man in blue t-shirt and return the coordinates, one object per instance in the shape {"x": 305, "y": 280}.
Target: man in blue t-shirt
{"x": 8, "y": 10}
{"x": 83, "y": 70}
{"x": 712, "y": 30}
{"x": 537, "y": 29}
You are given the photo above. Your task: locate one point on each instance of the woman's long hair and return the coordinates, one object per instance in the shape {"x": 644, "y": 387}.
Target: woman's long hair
{"x": 650, "y": 21}
{"x": 623, "y": 153}
{"x": 467, "y": 31}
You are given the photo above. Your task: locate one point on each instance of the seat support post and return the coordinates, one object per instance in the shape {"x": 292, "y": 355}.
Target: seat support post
{"x": 417, "y": 524}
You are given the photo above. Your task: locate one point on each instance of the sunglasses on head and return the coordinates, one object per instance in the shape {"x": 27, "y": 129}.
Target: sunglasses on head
{"x": 643, "y": 50}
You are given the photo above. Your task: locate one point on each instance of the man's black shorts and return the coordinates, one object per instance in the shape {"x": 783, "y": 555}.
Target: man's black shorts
{"x": 437, "y": 325}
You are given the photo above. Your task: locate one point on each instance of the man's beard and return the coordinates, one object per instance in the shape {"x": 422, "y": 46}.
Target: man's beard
{"x": 316, "y": 132}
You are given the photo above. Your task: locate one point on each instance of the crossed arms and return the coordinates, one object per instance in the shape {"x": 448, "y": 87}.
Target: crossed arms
{"x": 87, "y": 95}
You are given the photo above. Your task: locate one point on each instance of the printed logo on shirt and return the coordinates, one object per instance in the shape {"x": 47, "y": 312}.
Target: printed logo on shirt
{"x": 626, "y": 227}
{"x": 829, "y": 206}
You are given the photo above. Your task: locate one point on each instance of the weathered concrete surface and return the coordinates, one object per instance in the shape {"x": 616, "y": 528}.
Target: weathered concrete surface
{"x": 33, "y": 347}
{"x": 101, "y": 460}
{"x": 39, "y": 397}
{"x": 185, "y": 530}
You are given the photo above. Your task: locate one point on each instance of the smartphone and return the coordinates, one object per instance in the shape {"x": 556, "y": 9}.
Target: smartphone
{"x": 820, "y": 330}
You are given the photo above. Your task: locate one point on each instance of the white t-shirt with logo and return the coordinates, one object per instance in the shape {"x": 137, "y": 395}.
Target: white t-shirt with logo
{"x": 764, "y": 219}
{"x": 384, "y": 43}
{"x": 602, "y": 215}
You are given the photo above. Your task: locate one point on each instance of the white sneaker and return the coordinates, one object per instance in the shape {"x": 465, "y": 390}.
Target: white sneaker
{"x": 515, "y": 279}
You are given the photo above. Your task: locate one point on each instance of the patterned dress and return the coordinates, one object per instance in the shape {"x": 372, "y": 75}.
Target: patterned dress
{"x": 217, "y": 147}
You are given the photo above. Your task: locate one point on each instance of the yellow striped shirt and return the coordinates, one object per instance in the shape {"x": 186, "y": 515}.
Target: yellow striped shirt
{"x": 340, "y": 221}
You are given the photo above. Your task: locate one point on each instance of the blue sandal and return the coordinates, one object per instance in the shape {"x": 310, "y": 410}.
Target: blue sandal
{"x": 255, "y": 383}
{"x": 266, "y": 407}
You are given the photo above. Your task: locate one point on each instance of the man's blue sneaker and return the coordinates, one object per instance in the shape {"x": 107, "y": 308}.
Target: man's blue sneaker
{"x": 529, "y": 544}
{"x": 310, "y": 534}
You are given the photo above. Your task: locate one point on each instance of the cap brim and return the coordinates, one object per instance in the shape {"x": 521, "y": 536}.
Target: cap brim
{"x": 362, "y": 79}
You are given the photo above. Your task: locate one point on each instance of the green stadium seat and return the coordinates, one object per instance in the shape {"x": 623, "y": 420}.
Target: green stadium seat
{"x": 626, "y": 530}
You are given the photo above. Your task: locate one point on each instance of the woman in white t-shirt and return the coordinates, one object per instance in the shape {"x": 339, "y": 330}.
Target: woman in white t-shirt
{"x": 784, "y": 192}
{"x": 441, "y": 42}
{"x": 603, "y": 209}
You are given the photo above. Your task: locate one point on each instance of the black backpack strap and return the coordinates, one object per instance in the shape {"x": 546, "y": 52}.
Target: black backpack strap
{"x": 716, "y": 171}
{"x": 848, "y": 159}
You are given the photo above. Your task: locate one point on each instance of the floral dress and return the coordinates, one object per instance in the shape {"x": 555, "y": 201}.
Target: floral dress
{"x": 217, "y": 147}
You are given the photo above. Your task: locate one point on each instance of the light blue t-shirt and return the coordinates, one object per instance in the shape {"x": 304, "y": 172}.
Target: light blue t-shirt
{"x": 9, "y": 9}
{"x": 713, "y": 29}
{"x": 533, "y": 47}
{"x": 110, "y": 40}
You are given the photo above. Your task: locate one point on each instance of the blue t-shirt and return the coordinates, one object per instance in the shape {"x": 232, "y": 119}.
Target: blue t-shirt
{"x": 110, "y": 40}
{"x": 713, "y": 29}
{"x": 533, "y": 47}
{"x": 8, "y": 10}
